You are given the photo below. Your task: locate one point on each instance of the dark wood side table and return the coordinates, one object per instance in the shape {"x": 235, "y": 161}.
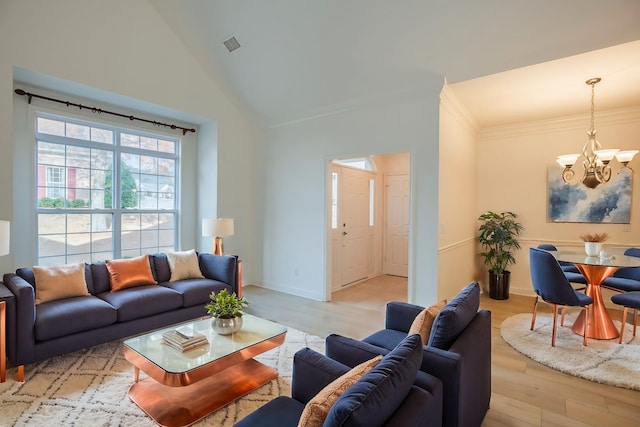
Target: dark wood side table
{"x": 6, "y": 296}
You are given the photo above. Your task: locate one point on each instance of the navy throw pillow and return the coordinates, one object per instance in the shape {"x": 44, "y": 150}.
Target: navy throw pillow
{"x": 455, "y": 317}
{"x": 372, "y": 400}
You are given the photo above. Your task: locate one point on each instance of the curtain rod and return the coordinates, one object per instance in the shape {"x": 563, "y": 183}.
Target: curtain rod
{"x": 100, "y": 111}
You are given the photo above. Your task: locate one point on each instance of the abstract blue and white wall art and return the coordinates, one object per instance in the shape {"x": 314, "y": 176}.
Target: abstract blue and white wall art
{"x": 607, "y": 203}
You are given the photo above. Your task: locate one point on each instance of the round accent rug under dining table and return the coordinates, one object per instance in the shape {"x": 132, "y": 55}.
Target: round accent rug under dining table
{"x": 603, "y": 361}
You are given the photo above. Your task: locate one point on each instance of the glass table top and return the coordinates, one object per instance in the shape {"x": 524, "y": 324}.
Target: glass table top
{"x": 579, "y": 257}
{"x": 254, "y": 331}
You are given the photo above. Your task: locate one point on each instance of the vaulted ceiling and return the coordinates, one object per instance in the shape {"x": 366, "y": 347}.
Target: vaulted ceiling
{"x": 506, "y": 60}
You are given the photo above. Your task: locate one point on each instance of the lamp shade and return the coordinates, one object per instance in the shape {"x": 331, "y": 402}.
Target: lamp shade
{"x": 606, "y": 155}
{"x": 5, "y": 237}
{"x": 217, "y": 227}
{"x": 626, "y": 156}
{"x": 567, "y": 159}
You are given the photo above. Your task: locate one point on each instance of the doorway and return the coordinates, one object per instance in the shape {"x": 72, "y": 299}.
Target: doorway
{"x": 369, "y": 219}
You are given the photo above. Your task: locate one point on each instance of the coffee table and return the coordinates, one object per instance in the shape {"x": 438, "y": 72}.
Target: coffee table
{"x": 184, "y": 387}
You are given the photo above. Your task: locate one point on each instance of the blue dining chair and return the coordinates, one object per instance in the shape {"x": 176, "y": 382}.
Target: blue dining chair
{"x": 628, "y": 300}
{"x": 570, "y": 270}
{"x": 553, "y": 287}
{"x": 626, "y": 279}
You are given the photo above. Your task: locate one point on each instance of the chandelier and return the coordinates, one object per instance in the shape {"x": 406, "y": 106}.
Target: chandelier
{"x": 596, "y": 160}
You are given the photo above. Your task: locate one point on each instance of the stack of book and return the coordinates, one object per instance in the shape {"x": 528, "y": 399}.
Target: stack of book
{"x": 183, "y": 340}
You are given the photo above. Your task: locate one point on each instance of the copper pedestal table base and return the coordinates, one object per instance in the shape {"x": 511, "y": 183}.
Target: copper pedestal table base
{"x": 183, "y": 406}
{"x": 599, "y": 324}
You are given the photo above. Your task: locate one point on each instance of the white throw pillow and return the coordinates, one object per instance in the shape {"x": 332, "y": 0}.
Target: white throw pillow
{"x": 184, "y": 265}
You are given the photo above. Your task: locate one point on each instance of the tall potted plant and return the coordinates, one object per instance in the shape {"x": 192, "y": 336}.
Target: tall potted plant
{"x": 498, "y": 238}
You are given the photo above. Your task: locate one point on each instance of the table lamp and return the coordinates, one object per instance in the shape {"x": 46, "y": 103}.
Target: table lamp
{"x": 217, "y": 228}
{"x": 5, "y": 237}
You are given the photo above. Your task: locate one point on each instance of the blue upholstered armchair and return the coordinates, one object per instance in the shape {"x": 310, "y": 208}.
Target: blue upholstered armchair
{"x": 384, "y": 396}
{"x": 571, "y": 272}
{"x": 458, "y": 353}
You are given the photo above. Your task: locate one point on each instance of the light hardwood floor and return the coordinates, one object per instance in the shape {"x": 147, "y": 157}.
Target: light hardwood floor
{"x": 524, "y": 393}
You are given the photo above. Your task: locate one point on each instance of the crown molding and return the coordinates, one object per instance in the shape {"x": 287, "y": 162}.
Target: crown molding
{"x": 450, "y": 102}
{"x": 579, "y": 122}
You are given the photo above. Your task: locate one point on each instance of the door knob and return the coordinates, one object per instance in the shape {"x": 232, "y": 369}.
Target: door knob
{"x": 344, "y": 233}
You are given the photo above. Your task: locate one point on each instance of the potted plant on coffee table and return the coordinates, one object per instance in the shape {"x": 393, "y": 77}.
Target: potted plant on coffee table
{"x": 226, "y": 310}
{"x": 498, "y": 238}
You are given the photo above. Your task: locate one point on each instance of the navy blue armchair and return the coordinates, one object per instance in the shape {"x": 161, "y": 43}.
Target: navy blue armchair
{"x": 552, "y": 287}
{"x": 384, "y": 396}
{"x": 458, "y": 353}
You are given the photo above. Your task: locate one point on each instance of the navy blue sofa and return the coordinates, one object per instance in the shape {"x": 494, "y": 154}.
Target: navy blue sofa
{"x": 384, "y": 396}
{"x": 38, "y": 332}
{"x": 458, "y": 353}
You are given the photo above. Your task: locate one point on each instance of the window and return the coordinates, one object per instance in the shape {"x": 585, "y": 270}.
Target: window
{"x": 55, "y": 182}
{"x": 362, "y": 163}
{"x": 103, "y": 192}
{"x": 334, "y": 200}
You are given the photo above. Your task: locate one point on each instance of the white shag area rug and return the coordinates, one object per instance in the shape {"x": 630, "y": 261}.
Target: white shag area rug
{"x": 603, "y": 361}
{"x": 89, "y": 388}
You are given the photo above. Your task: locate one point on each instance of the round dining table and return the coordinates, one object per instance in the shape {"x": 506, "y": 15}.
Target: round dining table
{"x": 595, "y": 270}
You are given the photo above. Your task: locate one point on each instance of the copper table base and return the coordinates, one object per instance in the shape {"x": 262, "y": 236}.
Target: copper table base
{"x": 599, "y": 325}
{"x": 183, "y": 406}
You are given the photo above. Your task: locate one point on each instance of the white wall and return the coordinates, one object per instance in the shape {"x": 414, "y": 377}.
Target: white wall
{"x": 124, "y": 48}
{"x": 512, "y": 175}
{"x": 457, "y": 202}
{"x": 295, "y": 189}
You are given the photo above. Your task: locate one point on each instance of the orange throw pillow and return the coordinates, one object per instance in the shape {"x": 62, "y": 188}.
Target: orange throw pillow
{"x": 424, "y": 321}
{"x": 128, "y": 273}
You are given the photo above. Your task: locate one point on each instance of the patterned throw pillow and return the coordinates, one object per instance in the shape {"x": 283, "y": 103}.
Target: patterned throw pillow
{"x": 184, "y": 265}
{"x": 128, "y": 273}
{"x": 424, "y": 321}
{"x": 316, "y": 410}
{"x": 63, "y": 281}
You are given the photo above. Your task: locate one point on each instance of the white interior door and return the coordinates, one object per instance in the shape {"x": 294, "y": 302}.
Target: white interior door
{"x": 354, "y": 224}
{"x": 397, "y": 225}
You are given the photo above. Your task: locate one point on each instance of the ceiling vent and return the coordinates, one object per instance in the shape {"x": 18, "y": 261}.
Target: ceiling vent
{"x": 231, "y": 44}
